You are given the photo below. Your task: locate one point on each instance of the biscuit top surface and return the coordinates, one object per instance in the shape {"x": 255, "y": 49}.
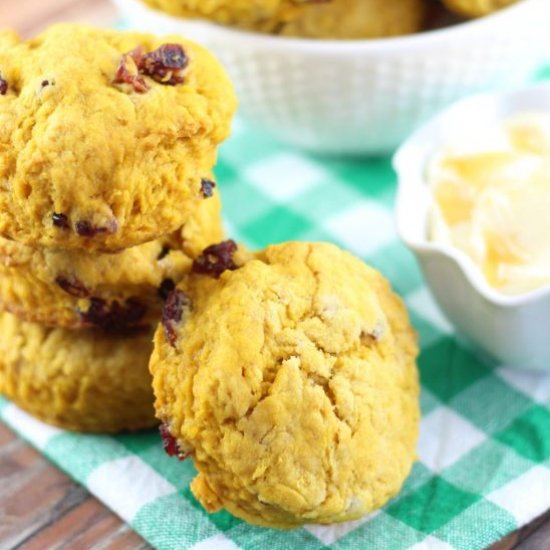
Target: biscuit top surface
{"x": 292, "y": 383}
{"x": 341, "y": 19}
{"x": 101, "y": 148}
{"x": 243, "y": 13}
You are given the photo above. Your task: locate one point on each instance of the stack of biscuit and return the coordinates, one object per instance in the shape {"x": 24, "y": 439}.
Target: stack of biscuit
{"x": 288, "y": 374}
{"x": 107, "y": 143}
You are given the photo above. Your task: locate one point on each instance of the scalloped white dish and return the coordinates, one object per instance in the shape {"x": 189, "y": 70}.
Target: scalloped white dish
{"x": 514, "y": 330}
{"x": 363, "y": 96}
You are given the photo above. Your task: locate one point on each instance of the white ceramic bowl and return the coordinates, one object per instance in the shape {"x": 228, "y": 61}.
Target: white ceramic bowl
{"x": 363, "y": 96}
{"x": 512, "y": 329}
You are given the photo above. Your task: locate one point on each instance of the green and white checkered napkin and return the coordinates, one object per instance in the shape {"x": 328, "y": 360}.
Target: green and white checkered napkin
{"x": 484, "y": 451}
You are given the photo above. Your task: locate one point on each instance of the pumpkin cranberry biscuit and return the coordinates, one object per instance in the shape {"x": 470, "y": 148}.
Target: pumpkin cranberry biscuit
{"x": 79, "y": 380}
{"x": 356, "y": 19}
{"x": 264, "y": 15}
{"x": 292, "y": 383}
{"x": 308, "y": 18}
{"x": 105, "y": 137}
{"x": 75, "y": 289}
{"x": 476, "y": 8}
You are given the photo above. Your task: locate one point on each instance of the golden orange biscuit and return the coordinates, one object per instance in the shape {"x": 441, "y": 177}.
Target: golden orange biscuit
{"x": 341, "y": 19}
{"x": 291, "y": 381}
{"x": 75, "y": 289}
{"x": 78, "y": 380}
{"x": 106, "y": 137}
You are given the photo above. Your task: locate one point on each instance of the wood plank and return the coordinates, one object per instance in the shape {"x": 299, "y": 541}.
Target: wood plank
{"x": 87, "y": 525}
{"x": 40, "y": 507}
{"x": 44, "y": 497}
{"x": 524, "y": 538}
{"x": 539, "y": 540}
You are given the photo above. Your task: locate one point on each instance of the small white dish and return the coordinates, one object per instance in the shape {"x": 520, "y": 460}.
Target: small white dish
{"x": 515, "y": 330}
{"x": 363, "y": 96}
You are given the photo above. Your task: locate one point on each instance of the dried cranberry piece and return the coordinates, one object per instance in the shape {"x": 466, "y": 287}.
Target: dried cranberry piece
{"x": 86, "y": 229}
{"x": 137, "y": 55}
{"x": 172, "y": 314}
{"x": 207, "y": 188}
{"x": 3, "y": 86}
{"x": 73, "y": 286}
{"x": 128, "y": 70}
{"x": 164, "y": 252}
{"x": 216, "y": 259}
{"x": 165, "y": 288}
{"x": 113, "y": 316}
{"x": 170, "y": 444}
{"x": 168, "y": 441}
{"x": 165, "y": 64}
{"x": 60, "y": 220}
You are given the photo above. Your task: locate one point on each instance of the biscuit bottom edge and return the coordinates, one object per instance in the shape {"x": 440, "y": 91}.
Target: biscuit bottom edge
{"x": 84, "y": 381}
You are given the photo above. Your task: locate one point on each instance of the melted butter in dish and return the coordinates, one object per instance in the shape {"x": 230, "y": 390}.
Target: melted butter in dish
{"x": 492, "y": 201}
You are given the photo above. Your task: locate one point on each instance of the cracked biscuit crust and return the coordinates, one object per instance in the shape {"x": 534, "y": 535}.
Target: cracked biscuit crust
{"x": 83, "y": 381}
{"x": 87, "y": 163}
{"x": 75, "y": 289}
{"x": 292, "y": 382}
{"x": 343, "y": 19}
{"x": 476, "y": 8}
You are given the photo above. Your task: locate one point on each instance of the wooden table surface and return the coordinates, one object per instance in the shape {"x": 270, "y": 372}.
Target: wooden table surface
{"x": 40, "y": 507}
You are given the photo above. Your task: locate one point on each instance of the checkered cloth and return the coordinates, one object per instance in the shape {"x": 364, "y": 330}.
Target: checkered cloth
{"x": 484, "y": 451}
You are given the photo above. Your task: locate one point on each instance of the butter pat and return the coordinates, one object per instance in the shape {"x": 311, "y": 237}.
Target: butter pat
{"x": 491, "y": 197}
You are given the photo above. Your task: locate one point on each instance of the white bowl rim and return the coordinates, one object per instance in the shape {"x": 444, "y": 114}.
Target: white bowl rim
{"x": 426, "y": 247}
{"x": 333, "y": 46}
